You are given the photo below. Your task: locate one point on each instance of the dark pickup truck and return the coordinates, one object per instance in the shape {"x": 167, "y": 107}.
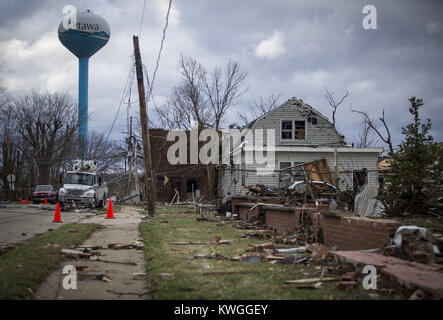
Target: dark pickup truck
{"x": 43, "y": 191}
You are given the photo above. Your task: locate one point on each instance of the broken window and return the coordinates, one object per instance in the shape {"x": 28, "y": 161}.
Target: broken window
{"x": 293, "y": 130}
{"x": 299, "y": 130}
{"x": 286, "y": 130}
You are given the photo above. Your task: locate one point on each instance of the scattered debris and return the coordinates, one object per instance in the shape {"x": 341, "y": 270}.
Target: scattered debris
{"x": 226, "y": 273}
{"x": 347, "y": 285}
{"x": 366, "y": 204}
{"x": 76, "y": 254}
{"x": 318, "y": 250}
{"x": 302, "y": 286}
{"x": 292, "y": 250}
{"x": 129, "y": 263}
{"x": 202, "y": 243}
{"x": 216, "y": 240}
{"x": 261, "y": 247}
{"x": 89, "y": 248}
{"x": 133, "y": 245}
{"x": 418, "y": 295}
{"x": 350, "y": 276}
{"x": 139, "y": 276}
{"x": 166, "y": 276}
{"x": 131, "y": 293}
{"x": 311, "y": 280}
{"x": 205, "y": 256}
{"x": 90, "y": 275}
{"x": 81, "y": 268}
{"x": 250, "y": 258}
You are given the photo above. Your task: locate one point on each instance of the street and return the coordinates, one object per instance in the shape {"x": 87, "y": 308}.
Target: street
{"x": 19, "y": 223}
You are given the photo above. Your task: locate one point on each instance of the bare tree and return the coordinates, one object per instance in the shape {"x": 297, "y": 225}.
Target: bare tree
{"x": 187, "y": 101}
{"x": 12, "y": 159}
{"x": 47, "y": 124}
{"x": 223, "y": 88}
{"x": 365, "y": 138}
{"x": 258, "y": 107}
{"x": 335, "y": 104}
{"x": 105, "y": 152}
{"x": 202, "y": 96}
{"x": 372, "y": 124}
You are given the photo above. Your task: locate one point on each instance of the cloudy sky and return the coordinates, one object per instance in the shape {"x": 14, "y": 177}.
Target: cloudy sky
{"x": 289, "y": 47}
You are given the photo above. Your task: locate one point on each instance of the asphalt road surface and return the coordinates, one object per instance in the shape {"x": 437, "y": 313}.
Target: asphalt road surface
{"x": 21, "y": 223}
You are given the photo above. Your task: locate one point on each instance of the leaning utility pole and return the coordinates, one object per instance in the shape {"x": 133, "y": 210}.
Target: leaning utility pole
{"x": 130, "y": 157}
{"x": 149, "y": 190}
{"x": 137, "y": 186}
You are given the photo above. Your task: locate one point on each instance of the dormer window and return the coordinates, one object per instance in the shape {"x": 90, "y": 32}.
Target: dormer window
{"x": 286, "y": 130}
{"x": 293, "y": 130}
{"x": 299, "y": 130}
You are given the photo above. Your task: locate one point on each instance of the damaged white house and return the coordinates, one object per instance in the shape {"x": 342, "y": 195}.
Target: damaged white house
{"x": 302, "y": 134}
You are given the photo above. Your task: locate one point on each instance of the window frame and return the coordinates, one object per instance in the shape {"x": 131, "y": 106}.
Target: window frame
{"x": 304, "y": 135}
{"x": 293, "y": 139}
{"x": 286, "y": 130}
{"x": 293, "y": 163}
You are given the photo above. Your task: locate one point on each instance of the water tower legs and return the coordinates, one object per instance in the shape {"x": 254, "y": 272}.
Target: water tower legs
{"x": 83, "y": 105}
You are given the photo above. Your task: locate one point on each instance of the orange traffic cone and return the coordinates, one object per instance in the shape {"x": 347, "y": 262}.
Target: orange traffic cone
{"x": 27, "y": 201}
{"x": 110, "y": 214}
{"x": 46, "y": 201}
{"x": 20, "y": 201}
{"x": 57, "y": 215}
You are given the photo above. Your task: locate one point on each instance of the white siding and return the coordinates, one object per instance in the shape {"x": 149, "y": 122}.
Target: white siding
{"x": 347, "y": 161}
{"x": 322, "y": 133}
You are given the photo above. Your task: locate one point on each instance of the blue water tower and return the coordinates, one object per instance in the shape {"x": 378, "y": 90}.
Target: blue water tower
{"x": 84, "y": 35}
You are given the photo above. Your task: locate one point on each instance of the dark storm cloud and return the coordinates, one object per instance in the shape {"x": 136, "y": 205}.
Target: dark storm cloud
{"x": 288, "y": 47}
{"x": 13, "y": 11}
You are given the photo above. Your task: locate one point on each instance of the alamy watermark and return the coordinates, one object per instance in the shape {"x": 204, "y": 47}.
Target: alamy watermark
{"x": 370, "y": 281}
{"x": 235, "y": 147}
{"x": 70, "y": 17}
{"x": 70, "y": 280}
{"x": 370, "y": 19}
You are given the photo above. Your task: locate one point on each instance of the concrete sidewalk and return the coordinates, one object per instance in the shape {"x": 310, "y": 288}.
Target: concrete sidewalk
{"x": 118, "y": 272}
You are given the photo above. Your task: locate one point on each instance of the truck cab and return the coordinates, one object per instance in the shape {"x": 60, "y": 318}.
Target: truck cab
{"x": 83, "y": 186}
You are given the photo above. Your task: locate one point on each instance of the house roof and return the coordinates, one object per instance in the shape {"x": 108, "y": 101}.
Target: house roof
{"x": 299, "y": 103}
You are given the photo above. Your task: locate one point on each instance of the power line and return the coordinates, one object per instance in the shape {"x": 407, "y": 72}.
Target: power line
{"x": 131, "y": 73}
{"x": 143, "y": 17}
{"x": 160, "y": 50}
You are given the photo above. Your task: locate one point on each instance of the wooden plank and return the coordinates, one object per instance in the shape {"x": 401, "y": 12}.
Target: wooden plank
{"x": 311, "y": 280}
{"x": 201, "y": 243}
{"x": 226, "y": 273}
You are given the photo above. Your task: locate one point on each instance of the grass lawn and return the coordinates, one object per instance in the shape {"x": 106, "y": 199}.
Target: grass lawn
{"x": 189, "y": 282}
{"x": 25, "y": 267}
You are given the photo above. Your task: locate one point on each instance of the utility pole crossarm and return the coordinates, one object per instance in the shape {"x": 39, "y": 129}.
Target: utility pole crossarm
{"x": 149, "y": 190}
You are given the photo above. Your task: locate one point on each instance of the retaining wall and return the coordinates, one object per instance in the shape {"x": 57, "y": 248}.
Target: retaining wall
{"x": 343, "y": 231}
